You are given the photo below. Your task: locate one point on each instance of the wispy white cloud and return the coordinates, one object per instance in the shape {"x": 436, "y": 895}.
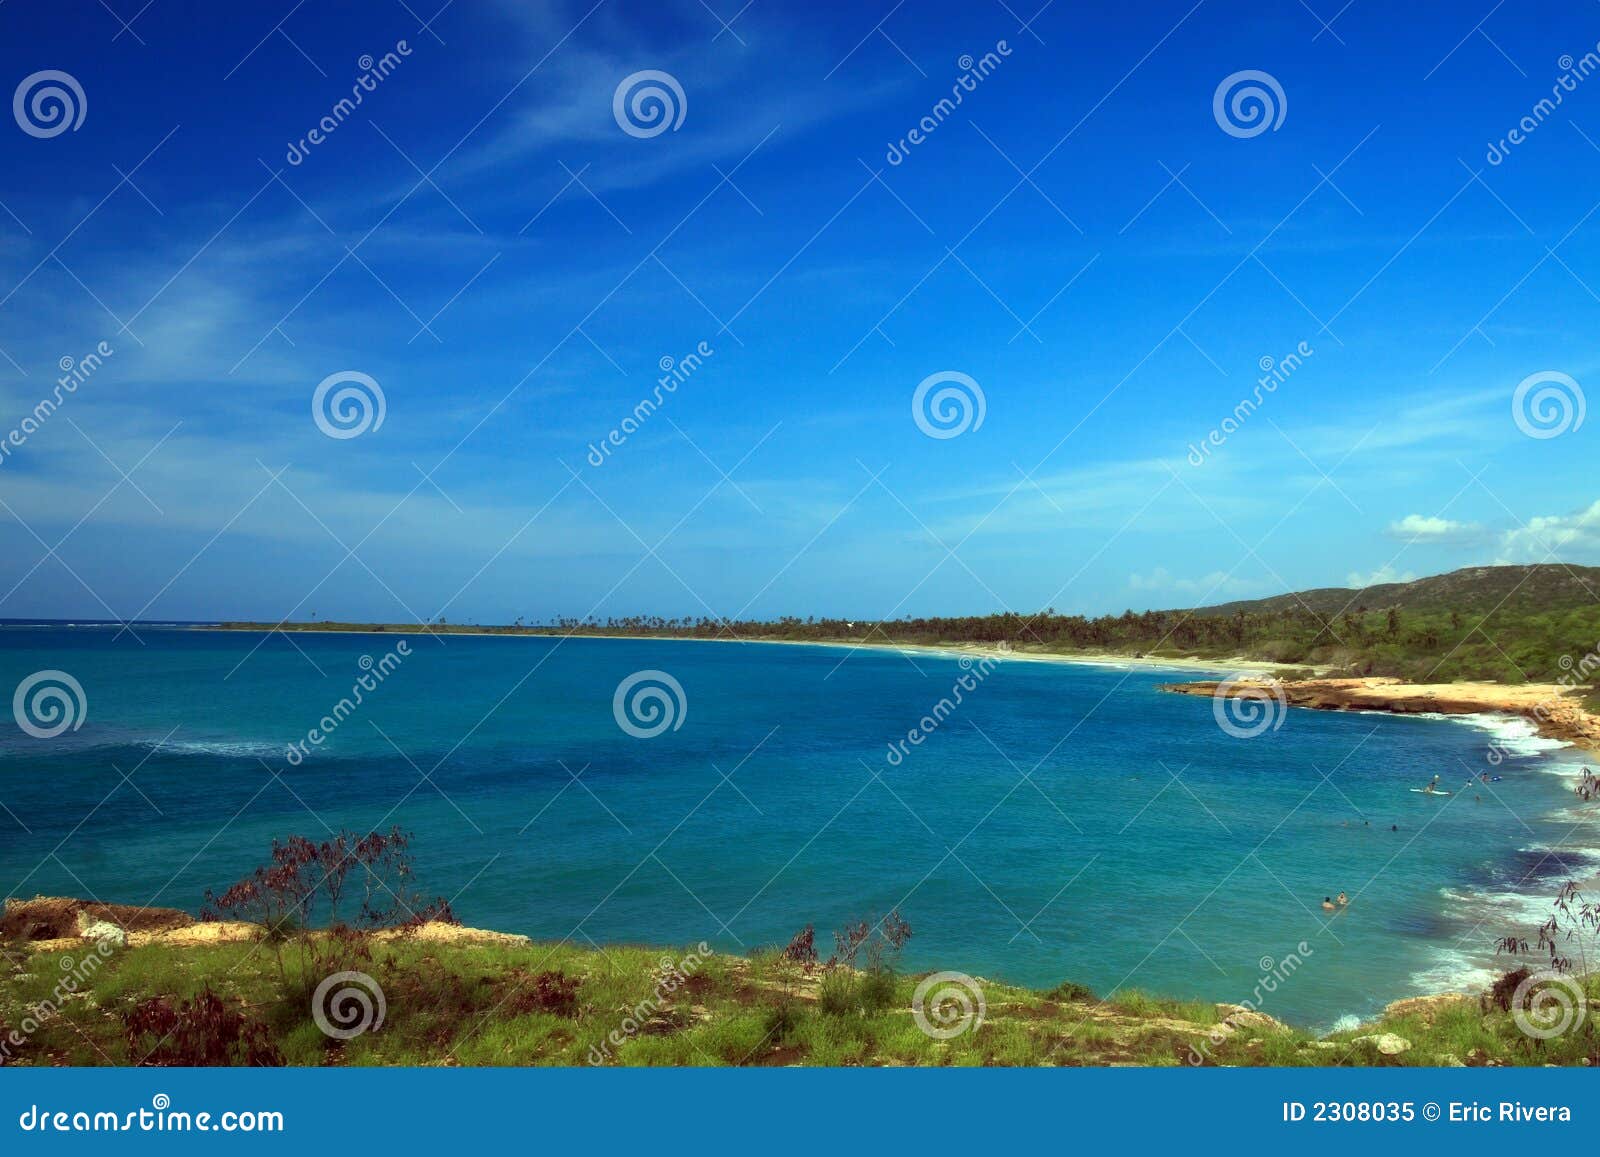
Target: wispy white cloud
{"x": 575, "y": 86}
{"x": 1433, "y": 529}
{"x": 1384, "y": 574}
{"x": 1565, "y": 537}
{"x": 1212, "y": 586}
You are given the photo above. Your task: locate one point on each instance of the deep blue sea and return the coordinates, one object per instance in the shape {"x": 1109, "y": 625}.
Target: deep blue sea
{"x": 1063, "y": 822}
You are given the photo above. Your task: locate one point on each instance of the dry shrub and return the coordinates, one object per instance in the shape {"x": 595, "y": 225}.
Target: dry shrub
{"x": 203, "y": 1031}
{"x": 549, "y": 992}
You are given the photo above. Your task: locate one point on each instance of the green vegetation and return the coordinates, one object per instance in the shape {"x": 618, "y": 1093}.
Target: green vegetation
{"x": 1509, "y": 624}
{"x": 86, "y": 983}
{"x": 471, "y": 1002}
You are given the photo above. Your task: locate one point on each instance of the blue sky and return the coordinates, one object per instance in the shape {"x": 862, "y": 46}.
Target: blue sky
{"x": 1080, "y": 237}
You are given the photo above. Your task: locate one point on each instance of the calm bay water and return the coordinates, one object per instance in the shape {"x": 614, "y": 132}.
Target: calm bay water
{"x": 1037, "y": 835}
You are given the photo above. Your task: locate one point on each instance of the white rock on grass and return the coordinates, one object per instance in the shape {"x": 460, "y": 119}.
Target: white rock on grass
{"x": 101, "y": 931}
{"x": 1386, "y": 1043}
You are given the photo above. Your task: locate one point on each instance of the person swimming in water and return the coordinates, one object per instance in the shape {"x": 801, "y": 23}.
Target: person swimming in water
{"x": 1327, "y": 903}
{"x": 1343, "y": 900}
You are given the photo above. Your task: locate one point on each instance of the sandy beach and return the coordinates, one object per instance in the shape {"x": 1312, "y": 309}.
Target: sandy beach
{"x": 1233, "y": 665}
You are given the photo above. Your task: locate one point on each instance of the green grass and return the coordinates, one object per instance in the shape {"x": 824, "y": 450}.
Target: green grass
{"x": 474, "y": 1004}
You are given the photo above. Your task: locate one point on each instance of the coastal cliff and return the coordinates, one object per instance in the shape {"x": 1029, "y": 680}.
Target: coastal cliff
{"x": 1553, "y": 708}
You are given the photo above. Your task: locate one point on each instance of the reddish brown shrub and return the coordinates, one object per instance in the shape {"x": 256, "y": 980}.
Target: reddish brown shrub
{"x": 802, "y": 949}
{"x": 202, "y": 1031}
{"x": 546, "y": 992}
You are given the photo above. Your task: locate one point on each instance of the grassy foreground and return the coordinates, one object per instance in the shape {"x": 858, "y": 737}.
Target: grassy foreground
{"x": 458, "y": 1000}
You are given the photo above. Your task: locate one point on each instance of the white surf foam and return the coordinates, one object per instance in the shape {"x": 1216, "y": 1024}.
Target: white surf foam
{"x": 233, "y": 749}
{"x": 1469, "y": 963}
{"x": 1452, "y": 970}
{"x": 1494, "y": 911}
{"x": 1515, "y": 734}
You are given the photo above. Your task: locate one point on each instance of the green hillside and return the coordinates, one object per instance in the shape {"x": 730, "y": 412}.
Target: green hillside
{"x": 1477, "y": 590}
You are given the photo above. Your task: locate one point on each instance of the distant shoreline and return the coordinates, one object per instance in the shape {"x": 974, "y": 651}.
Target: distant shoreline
{"x": 1550, "y": 707}
{"x": 1232, "y": 664}
{"x": 1547, "y": 706}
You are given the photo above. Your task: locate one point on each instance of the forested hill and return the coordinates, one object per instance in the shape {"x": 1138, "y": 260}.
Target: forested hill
{"x": 1477, "y": 589}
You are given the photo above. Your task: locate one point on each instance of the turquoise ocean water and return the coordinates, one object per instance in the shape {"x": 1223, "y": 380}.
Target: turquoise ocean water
{"x": 1063, "y": 822}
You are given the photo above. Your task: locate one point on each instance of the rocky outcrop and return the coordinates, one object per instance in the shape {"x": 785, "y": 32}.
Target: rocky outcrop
{"x": 57, "y": 924}
{"x": 1550, "y": 706}
{"x": 1428, "y": 1008}
{"x": 46, "y": 918}
{"x": 1237, "y": 1016}
{"x": 1386, "y": 1043}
